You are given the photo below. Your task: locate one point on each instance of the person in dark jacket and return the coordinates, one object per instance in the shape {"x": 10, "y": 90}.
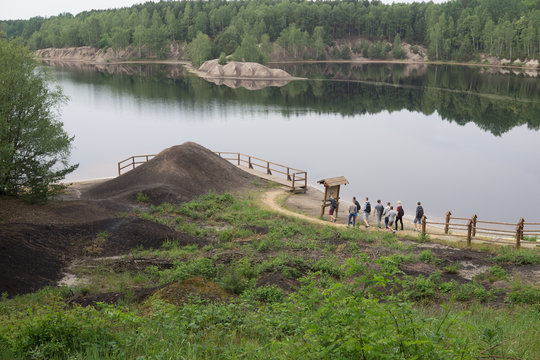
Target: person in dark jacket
{"x": 418, "y": 217}
{"x": 333, "y": 205}
{"x": 400, "y": 213}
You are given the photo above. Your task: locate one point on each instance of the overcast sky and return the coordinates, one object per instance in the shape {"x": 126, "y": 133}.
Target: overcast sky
{"x": 25, "y": 9}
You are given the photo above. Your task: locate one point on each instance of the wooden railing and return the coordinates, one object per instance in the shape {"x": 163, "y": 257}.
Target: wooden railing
{"x": 468, "y": 227}
{"x": 298, "y": 178}
{"x": 132, "y": 162}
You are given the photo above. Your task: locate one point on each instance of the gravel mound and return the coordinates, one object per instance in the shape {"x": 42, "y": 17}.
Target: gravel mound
{"x": 176, "y": 175}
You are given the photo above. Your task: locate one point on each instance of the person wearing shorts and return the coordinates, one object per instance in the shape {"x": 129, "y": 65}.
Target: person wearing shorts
{"x": 418, "y": 217}
{"x": 367, "y": 211}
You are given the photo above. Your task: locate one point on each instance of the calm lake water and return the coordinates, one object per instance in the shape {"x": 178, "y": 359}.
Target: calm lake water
{"x": 455, "y": 138}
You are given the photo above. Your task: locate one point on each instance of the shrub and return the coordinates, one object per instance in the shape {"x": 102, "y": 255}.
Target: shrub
{"x": 518, "y": 257}
{"x": 452, "y": 268}
{"x": 141, "y": 197}
{"x": 524, "y": 295}
{"x": 267, "y": 294}
{"x": 222, "y": 59}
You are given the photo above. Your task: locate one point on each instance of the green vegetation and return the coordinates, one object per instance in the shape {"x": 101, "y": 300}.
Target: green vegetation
{"x": 454, "y": 30}
{"x": 34, "y": 149}
{"x": 272, "y": 287}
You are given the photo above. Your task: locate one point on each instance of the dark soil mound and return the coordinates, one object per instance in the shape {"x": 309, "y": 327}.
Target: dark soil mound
{"x": 33, "y": 256}
{"x": 177, "y": 174}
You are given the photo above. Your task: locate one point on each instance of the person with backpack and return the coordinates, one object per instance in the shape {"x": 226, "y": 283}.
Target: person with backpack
{"x": 353, "y": 211}
{"x": 418, "y": 217}
{"x": 358, "y": 207}
{"x": 379, "y": 209}
{"x": 333, "y": 205}
{"x": 367, "y": 211}
{"x": 400, "y": 213}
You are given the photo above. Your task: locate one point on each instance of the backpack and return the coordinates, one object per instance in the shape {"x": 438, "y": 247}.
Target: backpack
{"x": 401, "y": 212}
{"x": 420, "y": 211}
{"x": 368, "y": 207}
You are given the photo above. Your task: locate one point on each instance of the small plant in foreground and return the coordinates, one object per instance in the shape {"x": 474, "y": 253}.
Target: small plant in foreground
{"x": 532, "y": 238}
{"x": 518, "y": 257}
{"x": 452, "y": 268}
{"x": 423, "y": 237}
{"x": 142, "y": 197}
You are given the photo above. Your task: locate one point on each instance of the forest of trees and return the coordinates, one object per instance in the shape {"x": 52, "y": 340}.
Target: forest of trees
{"x": 455, "y": 30}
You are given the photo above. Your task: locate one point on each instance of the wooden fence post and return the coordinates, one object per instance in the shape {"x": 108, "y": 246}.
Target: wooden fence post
{"x": 474, "y": 219}
{"x": 293, "y": 180}
{"x": 469, "y": 232}
{"x": 447, "y": 222}
{"x": 424, "y": 218}
{"x": 519, "y": 232}
{"x": 249, "y": 162}
{"x": 288, "y": 175}
{"x": 268, "y": 168}
{"x": 238, "y": 159}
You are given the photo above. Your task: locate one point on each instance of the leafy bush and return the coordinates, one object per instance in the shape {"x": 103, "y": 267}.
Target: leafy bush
{"x": 524, "y": 294}
{"x": 267, "y": 294}
{"x": 452, "y": 268}
{"x": 142, "y": 197}
{"x": 518, "y": 257}
{"x": 427, "y": 257}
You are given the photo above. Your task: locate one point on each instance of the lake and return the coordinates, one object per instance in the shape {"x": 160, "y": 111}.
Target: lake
{"x": 456, "y": 138}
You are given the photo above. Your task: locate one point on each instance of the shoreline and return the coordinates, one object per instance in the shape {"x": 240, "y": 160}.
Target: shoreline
{"x": 189, "y": 65}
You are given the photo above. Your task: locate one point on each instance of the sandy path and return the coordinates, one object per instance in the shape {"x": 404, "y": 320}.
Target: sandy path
{"x": 269, "y": 198}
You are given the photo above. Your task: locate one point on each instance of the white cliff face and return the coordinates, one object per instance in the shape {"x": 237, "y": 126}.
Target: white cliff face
{"x": 241, "y": 70}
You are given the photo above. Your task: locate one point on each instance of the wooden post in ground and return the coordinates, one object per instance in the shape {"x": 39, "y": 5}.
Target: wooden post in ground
{"x": 519, "y": 232}
{"x": 337, "y": 201}
{"x": 469, "y": 232}
{"x": 118, "y": 169}
{"x": 424, "y": 219}
{"x": 323, "y": 206}
{"x": 447, "y": 222}
{"x": 238, "y": 159}
{"x": 249, "y": 163}
{"x": 133, "y": 162}
{"x": 474, "y": 219}
{"x": 268, "y": 169}
{"x": 288, "y": 174}
{"x": 293, "y": 181}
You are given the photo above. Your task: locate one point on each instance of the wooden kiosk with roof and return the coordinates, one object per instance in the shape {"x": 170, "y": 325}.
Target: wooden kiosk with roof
{"x": 331, "y": 188}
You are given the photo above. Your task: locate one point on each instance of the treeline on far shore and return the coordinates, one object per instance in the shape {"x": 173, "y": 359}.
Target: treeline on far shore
{"x": 459, "y": 30}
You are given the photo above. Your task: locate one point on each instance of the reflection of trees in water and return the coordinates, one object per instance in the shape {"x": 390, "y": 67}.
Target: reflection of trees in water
{"x": 496, "y": 103}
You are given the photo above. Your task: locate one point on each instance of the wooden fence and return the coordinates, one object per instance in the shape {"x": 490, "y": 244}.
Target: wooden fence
{"x": 298, "y": 178}
{"x": 132, "y": 162}
{"x": 470, "y": 227}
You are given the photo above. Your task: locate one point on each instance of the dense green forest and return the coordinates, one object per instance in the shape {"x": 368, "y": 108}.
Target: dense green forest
{"x": 456, "y": 30}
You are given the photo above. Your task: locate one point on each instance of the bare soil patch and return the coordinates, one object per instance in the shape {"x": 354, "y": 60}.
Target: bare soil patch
{"x": 38, "y": 242}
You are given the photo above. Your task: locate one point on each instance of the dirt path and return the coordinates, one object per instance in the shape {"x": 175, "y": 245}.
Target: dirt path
{"x": 270, "y": 198}
{"x": 307, "y": 207}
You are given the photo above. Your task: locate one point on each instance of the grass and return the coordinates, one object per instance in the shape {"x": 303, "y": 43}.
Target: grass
{"x": 353, "y": 300}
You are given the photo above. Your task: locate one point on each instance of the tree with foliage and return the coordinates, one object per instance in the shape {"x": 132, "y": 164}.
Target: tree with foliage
{"x": 397, "y": 50}
{"x": 34, "y": 149}
{"x": 222, "y": 59}
{"x": 200, "y": 49}
{"x": 248, "y": 50}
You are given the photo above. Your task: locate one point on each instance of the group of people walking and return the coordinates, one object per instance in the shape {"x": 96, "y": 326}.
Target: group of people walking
{"x": 392, "y": 217}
